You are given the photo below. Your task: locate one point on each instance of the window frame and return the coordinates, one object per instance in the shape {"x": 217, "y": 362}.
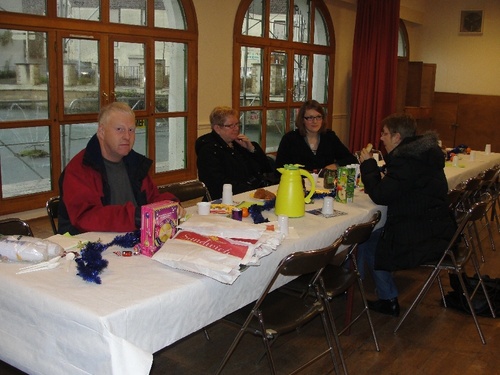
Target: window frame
{"x": 57, "y": 28}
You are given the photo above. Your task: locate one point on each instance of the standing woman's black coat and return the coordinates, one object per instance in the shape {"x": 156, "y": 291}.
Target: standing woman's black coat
{"x": 414, "y": 189}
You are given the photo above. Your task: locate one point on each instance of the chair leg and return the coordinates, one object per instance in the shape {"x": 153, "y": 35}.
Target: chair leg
{"x": 430, "y": 279}
{"x": 471, "y": 307}
{"x": 334, "y": 333}
{"x": 348, "y": 310}
{"x": 366, "y": 310}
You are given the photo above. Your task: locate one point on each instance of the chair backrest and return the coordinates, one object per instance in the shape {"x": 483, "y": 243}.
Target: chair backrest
{"x": 52, "y": 207}
{"x": 15, "y": 226}
{"x": 474, "y": 213}
{"x": 187, "y": 190}
{"x": 359, "y": 233}
{"x": 306, "y": 262}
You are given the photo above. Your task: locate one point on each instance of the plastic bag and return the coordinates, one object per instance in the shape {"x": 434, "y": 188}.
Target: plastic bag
{"x": 28, "y": 249}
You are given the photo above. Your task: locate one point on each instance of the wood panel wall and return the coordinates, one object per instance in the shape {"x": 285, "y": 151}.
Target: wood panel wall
{"x": 465, "y": 119}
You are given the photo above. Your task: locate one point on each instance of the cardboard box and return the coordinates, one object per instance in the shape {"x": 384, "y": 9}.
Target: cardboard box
{"x": 158, "y": 224}
{"x": 345, "y": 184}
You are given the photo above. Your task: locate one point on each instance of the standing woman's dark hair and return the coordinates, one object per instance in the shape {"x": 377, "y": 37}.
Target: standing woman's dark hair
{"x": 299, "y": 120}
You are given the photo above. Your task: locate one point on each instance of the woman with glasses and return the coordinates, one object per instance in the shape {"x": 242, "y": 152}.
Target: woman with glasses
{"x": 312, "y": 144}
{"x": 225, "y": 156}
{"x": 414, "y": 189}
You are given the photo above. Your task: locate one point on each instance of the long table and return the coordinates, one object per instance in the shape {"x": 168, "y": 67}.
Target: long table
{"x": 468, "y": 168}
{"x": 53, "y": 322}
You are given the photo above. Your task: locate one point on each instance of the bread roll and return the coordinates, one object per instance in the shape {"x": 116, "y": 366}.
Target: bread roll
{"x": 368, "y": 147}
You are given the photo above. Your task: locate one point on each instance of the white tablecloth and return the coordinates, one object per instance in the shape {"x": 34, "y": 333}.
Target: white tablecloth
{"x": 53, "y": 322}
{"x": 467, "y": 168}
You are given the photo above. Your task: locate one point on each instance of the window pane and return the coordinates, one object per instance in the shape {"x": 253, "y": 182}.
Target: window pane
{"x": 275, "y": 128}
{"x": 128, "y": 12}
{"x": 301, "y": 21}
{"x": 141, "y": 137}
{"x": 23, "y": 75}
{"x": 252, "y": 24}
{"x": 251, "y": 124}
{"x": 170, "y": 138}
{"x": 129, "y": 74}
{"x": 278, "y": 21}
{"x": 169, "y": 14}
{"x": 321, "y": 36}
{"x": 277, "y": 81}
{"x": 25, "y": 161}
{"x": 81, "y": 75}
{"x": 74, "y": 138}
{"x": 251, "y": 76}
{"x": 320, "y": 78}
{"x": 170, "y": 76}
{"x": 300, "y": 70}
{"x": 38, "y": 7}
{"x": 89, "y": 10}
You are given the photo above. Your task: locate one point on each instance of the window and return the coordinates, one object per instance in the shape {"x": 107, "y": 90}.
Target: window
{"x": 284, "y": 56}
{"x": 55, "y": 77}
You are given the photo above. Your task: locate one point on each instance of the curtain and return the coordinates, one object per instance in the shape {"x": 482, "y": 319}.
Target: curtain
{"x": 374, "y": 70}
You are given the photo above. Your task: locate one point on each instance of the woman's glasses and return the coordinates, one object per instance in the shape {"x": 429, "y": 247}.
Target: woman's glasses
{"x": 313, "y": 118}
{"x": 231, "y": 126}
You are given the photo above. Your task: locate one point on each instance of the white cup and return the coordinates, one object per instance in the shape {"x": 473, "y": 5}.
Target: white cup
{"x": 283, "y": 224}
{"x": 327, "y": 206}
{"x": 472, "y": 156}
{"x": 315, "y": 178}
{"x": 487, "y": 149}
{"x": 455, "y": 161}
{"x": 203, "y": 208}
{"x": 227, "y": 194}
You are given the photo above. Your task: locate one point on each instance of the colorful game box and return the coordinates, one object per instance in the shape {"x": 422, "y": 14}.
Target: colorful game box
{"x": 158, "y": 224}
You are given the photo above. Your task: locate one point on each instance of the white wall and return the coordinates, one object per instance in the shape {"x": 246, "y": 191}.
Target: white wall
{"x": 467, "y": 64}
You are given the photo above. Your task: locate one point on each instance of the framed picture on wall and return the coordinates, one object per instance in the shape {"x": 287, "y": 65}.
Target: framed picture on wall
{"x": 471, "y": 22}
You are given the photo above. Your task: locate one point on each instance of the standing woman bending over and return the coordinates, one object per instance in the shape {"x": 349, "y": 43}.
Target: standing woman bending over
{"x": 311, "y": 144}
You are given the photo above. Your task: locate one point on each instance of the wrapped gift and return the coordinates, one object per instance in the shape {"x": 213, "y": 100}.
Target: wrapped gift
{"x": 158, "y": 224}
{"x": 345, "y": 184}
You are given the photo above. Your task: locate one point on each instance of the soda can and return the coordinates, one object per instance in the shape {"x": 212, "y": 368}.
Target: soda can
{"x": 237, "y": 214}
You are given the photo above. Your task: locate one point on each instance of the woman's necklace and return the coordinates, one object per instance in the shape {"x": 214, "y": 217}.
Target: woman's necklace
{"x": 313, "y": 143}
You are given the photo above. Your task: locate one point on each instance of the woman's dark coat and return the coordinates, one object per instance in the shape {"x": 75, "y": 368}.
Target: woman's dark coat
{"x": 414, "y": 189}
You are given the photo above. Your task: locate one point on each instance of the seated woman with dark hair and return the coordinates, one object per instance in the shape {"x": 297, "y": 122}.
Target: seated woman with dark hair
{"x": 311, "y": 144}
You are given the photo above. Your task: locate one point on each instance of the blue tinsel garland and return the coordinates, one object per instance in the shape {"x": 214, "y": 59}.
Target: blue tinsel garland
{"x": 255, "y": 210}
{"x": 90, "y": 263}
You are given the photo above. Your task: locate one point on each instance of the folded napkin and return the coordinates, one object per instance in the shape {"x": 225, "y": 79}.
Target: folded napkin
{"x": 217, "y": 247}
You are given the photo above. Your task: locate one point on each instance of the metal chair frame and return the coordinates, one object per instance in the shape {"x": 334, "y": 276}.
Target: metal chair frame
{"x": 187, "y": 190}
{"x": 454, "y": 258}
{"x": 52, "y": 207}
{"x": 15, "y": 226}
{"x": 258, "y": 320}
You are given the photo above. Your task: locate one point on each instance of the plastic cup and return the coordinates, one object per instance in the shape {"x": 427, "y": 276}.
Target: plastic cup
{"x": 227, "y": 194}
{"x": 327, "y": 206}
{"x": 203, "y": 208}
{"x": 283, "y": 224}
{"x": 487, "y": 149}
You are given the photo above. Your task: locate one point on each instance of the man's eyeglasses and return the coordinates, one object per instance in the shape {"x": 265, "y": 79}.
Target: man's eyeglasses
{"x": 231, "y": 126}
{"x": 313, "y": 118}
